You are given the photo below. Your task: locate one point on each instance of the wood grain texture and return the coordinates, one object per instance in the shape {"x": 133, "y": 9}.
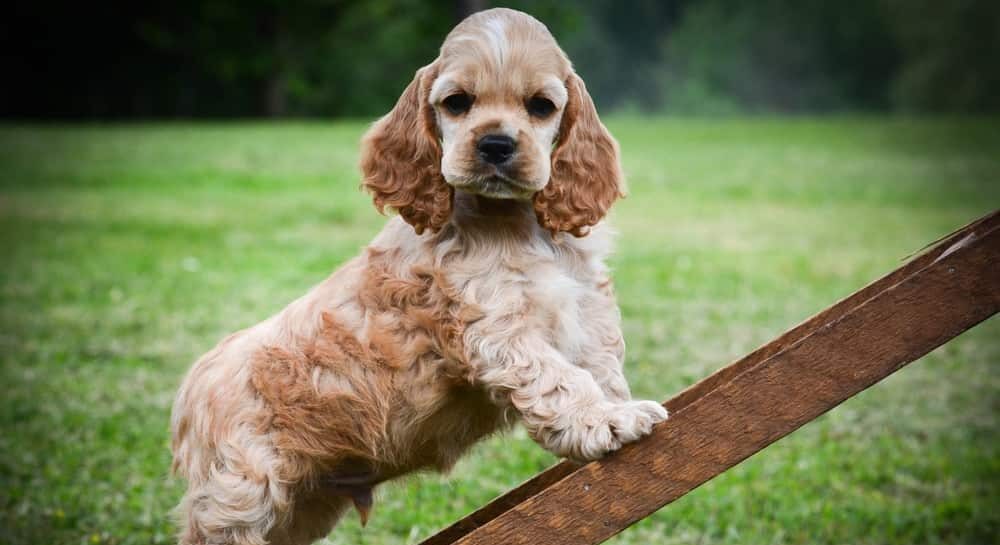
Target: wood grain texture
{"x": 762, "y": 397}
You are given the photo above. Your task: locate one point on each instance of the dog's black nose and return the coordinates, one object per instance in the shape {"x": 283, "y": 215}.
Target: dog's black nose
{"x": 496, "y": 149}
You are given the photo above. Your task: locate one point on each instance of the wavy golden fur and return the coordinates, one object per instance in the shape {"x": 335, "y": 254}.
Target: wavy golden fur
{"x": 401, "y": 159}
{"x": 586, "y": 177}
{"x": 471, "y": 310}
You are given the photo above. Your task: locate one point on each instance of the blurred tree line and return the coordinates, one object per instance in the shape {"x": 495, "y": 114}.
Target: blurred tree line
{"x": 226, "y": 58}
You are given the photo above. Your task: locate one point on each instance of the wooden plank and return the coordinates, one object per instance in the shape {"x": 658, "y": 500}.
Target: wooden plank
{"x": 767, "y": 394}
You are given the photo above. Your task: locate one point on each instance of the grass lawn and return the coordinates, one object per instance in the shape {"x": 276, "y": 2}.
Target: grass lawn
{"x": 130, "y": 250}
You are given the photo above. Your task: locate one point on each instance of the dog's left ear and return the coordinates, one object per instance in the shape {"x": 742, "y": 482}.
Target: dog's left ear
{"x": 401, "y": 159}
{"x": 586, "y": 176}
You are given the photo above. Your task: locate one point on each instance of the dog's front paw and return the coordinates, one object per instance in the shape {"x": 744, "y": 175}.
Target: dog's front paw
{"x": 582, "y": 436}
{"x": 590, "y": 435}
{"x": 633, "y": 420}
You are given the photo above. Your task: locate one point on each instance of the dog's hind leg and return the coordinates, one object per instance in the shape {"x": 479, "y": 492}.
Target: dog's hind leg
{"x": 235, "y": 510}
{"x": 237, "y": 498}
{"x": 229, "y": 509}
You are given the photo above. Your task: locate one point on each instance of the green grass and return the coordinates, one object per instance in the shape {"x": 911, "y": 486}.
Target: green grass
{"x": 129, "y": 250}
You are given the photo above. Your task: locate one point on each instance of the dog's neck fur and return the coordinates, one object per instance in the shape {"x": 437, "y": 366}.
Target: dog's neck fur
{"x": 477, "y": 214}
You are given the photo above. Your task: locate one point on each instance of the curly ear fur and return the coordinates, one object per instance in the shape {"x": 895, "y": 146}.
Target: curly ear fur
{"x": 401, "y": 159}
{"x": 586, "y": 176}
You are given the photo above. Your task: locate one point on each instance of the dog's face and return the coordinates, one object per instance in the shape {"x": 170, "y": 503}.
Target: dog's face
{"x": 498, "y": 105}
{"x": 501, "y": 114}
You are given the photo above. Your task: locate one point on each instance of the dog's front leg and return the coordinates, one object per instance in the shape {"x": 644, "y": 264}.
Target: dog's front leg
{"x": 562, "y": 405}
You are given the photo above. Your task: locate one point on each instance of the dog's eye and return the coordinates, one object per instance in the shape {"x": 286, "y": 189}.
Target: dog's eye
{"x": 458, "y": 104}
{"x": 540, "y": 107}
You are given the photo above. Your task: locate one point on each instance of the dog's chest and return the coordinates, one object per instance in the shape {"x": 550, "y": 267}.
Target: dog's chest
{"x": 542, "y": 292}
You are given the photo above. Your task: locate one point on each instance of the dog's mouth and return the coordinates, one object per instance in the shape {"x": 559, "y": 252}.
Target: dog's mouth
{"x": 495, "y": 186}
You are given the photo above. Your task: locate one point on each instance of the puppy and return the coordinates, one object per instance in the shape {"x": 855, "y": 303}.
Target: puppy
{"x": 484, "y": 301}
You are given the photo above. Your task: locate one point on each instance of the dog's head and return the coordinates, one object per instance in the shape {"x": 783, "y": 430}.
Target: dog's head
{"x": 500, "y": 113}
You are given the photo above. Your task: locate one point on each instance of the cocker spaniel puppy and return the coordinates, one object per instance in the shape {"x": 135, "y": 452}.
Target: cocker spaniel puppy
{"x": 485, "y": 299}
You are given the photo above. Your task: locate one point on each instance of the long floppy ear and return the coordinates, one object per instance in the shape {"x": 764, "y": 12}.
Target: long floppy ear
{"x": 401, "y": 159}
{"x": 586, "y": 177}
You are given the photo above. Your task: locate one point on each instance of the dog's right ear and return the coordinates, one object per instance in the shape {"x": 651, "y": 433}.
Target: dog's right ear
{"x": 401, "y": 159}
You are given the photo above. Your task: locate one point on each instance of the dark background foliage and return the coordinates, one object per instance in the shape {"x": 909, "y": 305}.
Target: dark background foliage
{"x": 343, "y": 58}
